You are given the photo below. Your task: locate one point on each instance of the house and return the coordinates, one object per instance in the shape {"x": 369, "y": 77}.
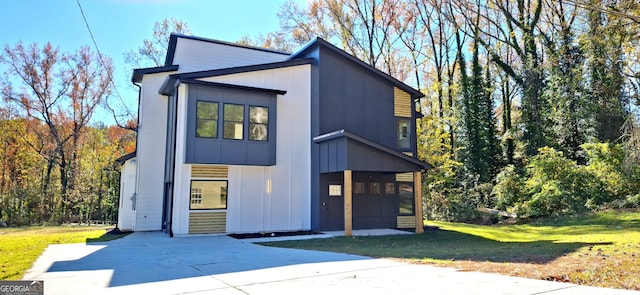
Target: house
{"x": 237, "y": 139}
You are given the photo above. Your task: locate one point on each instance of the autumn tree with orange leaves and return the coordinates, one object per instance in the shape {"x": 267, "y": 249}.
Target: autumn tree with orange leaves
{"x": 52, "y": 96}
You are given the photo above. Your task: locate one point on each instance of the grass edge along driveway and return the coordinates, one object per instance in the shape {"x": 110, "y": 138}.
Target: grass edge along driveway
{"x": 20, "y": 247}
{"x": 602, "y": 249}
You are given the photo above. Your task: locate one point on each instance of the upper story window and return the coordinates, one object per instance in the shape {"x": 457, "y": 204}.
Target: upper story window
{"x": 207, "y": 119}
{"x": 404, "y": 134}
{"x": 233, "y": 121}
{"x": 258, "y": 123}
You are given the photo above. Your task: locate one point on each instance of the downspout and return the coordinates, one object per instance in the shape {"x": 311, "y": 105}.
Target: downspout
{"x": 120, "y": 196}
{"x": 173, "y": 165}
{"x": 134, "y": 197}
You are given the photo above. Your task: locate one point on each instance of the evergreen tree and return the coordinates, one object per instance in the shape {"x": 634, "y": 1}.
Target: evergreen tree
{"x": 481, "y": 153}
{"x": 573, "y": 112}
{"x": 606, "y": 80}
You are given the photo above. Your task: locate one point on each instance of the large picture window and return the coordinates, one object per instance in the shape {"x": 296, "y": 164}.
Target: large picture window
{"x": 207, "y": 119}
{"x": 233, "y": 121}
{"x": 405, "y": 192}
{"x": 404, "y": 134}
{"x": 258, "y": 123}
{"x": 208, "y": 194}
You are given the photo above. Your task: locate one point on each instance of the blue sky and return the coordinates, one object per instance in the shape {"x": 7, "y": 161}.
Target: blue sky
{"x": 120, "y": 25}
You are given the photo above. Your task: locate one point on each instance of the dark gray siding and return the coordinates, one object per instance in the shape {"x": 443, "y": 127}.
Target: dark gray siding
{"x": 345, "y": 154}
{"x": 346, "y": 96}
{"x": 228, "y": 151}
{"x": 354, "y": 99}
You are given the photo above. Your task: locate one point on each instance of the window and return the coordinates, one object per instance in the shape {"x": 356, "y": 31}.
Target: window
{"x": 404, "y": 134}
{"x": 374, "y": 188}
{"x": 196, "y": 196}
{"x": 207, "y": 119}
{"x": 208, "y": 194}
{"x": 335, "y": 190}
{"x": 258, "y": 123}
{"x": 389, "y": 188}
{"x": 358, "y": 188}
{"x": 233, "y": 121}
{"x": 405, "y": 191}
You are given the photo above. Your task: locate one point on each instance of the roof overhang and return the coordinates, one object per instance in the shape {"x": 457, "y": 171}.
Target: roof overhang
{"x": 169, "y": 86}
{"x": 341, "y": 150}
{"x": 139, "y": 73}
{"x": 173, "y": 42}
{"x": 126, "y": 158}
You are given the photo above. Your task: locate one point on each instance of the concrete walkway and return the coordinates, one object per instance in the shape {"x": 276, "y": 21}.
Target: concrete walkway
{"x": 153, "y": 263}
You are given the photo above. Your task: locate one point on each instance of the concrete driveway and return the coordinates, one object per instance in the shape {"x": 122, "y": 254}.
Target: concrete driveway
{"x": 153, "y": 263}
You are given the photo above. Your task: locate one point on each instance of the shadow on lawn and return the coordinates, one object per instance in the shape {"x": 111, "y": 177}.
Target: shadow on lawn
{"x": 442, "y": 245}
{"x": 452, "y": 245}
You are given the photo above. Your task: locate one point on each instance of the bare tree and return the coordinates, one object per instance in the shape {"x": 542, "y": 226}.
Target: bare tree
{"x": 153, "y": 51}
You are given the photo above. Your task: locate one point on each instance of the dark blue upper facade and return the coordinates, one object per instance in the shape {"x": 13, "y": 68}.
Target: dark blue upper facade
{"x": 220, "y": 150}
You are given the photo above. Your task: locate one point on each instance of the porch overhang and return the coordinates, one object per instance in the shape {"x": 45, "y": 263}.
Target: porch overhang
{"x": 341, "y": 150}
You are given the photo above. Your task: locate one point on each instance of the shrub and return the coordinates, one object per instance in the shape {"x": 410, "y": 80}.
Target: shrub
{"x": 509, "y": 188}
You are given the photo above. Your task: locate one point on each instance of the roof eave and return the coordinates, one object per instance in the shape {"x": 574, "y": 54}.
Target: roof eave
{"x": 138, "y": 74}
{"x": 173, "y": 41}
{"x": 395, "y": 153}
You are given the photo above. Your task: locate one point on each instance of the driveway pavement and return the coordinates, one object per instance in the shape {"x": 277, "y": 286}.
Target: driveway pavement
{"x": 153, "y": 263}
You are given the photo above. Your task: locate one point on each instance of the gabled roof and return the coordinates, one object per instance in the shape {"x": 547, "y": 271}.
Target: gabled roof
{"x": 415, "y": 94}
{"x": 173, "y": 41}
{"x": 139, "y": 73}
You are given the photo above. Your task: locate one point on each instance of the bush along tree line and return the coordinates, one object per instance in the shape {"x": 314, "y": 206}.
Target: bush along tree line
{"x": 530, "y": 106}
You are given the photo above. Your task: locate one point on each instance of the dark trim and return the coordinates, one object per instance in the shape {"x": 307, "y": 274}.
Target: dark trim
{"x": 243, "y": 69}
{"x": 224, "y": 120}
{"x": 173, "y": 165}
{"x": 217, "y": 120}
{"x": 415, "y": 94}
{"x": 139, "y": 73}
{"x": 168, "y": 87}
{"x": 249, "y": 122}
{"x": 191, "y": 180}
{"x": 362, "y": 140}
{"x": 173, "y": 41}
{"x": 125, "y": 158}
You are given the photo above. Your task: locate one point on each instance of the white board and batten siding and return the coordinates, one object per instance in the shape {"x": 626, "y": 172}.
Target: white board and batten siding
{"x": 277, "y": 197}
{"x": 150, "y": 154}
{"x": 194, "y": 55}
{"x": 126, "y": 212}
{"x": 262, "y": 198}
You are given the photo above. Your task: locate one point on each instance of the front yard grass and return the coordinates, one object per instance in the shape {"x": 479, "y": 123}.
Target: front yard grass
{"x": 598, "y": 250}
{"x": 20, "y": 247}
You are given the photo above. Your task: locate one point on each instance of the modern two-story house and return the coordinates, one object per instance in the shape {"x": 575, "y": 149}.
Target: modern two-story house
{"x": 237, "y": 139}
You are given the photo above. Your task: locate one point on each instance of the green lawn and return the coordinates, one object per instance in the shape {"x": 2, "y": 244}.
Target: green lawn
{"x": 601, "y": 249}
{"x": 20, "y": 247}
